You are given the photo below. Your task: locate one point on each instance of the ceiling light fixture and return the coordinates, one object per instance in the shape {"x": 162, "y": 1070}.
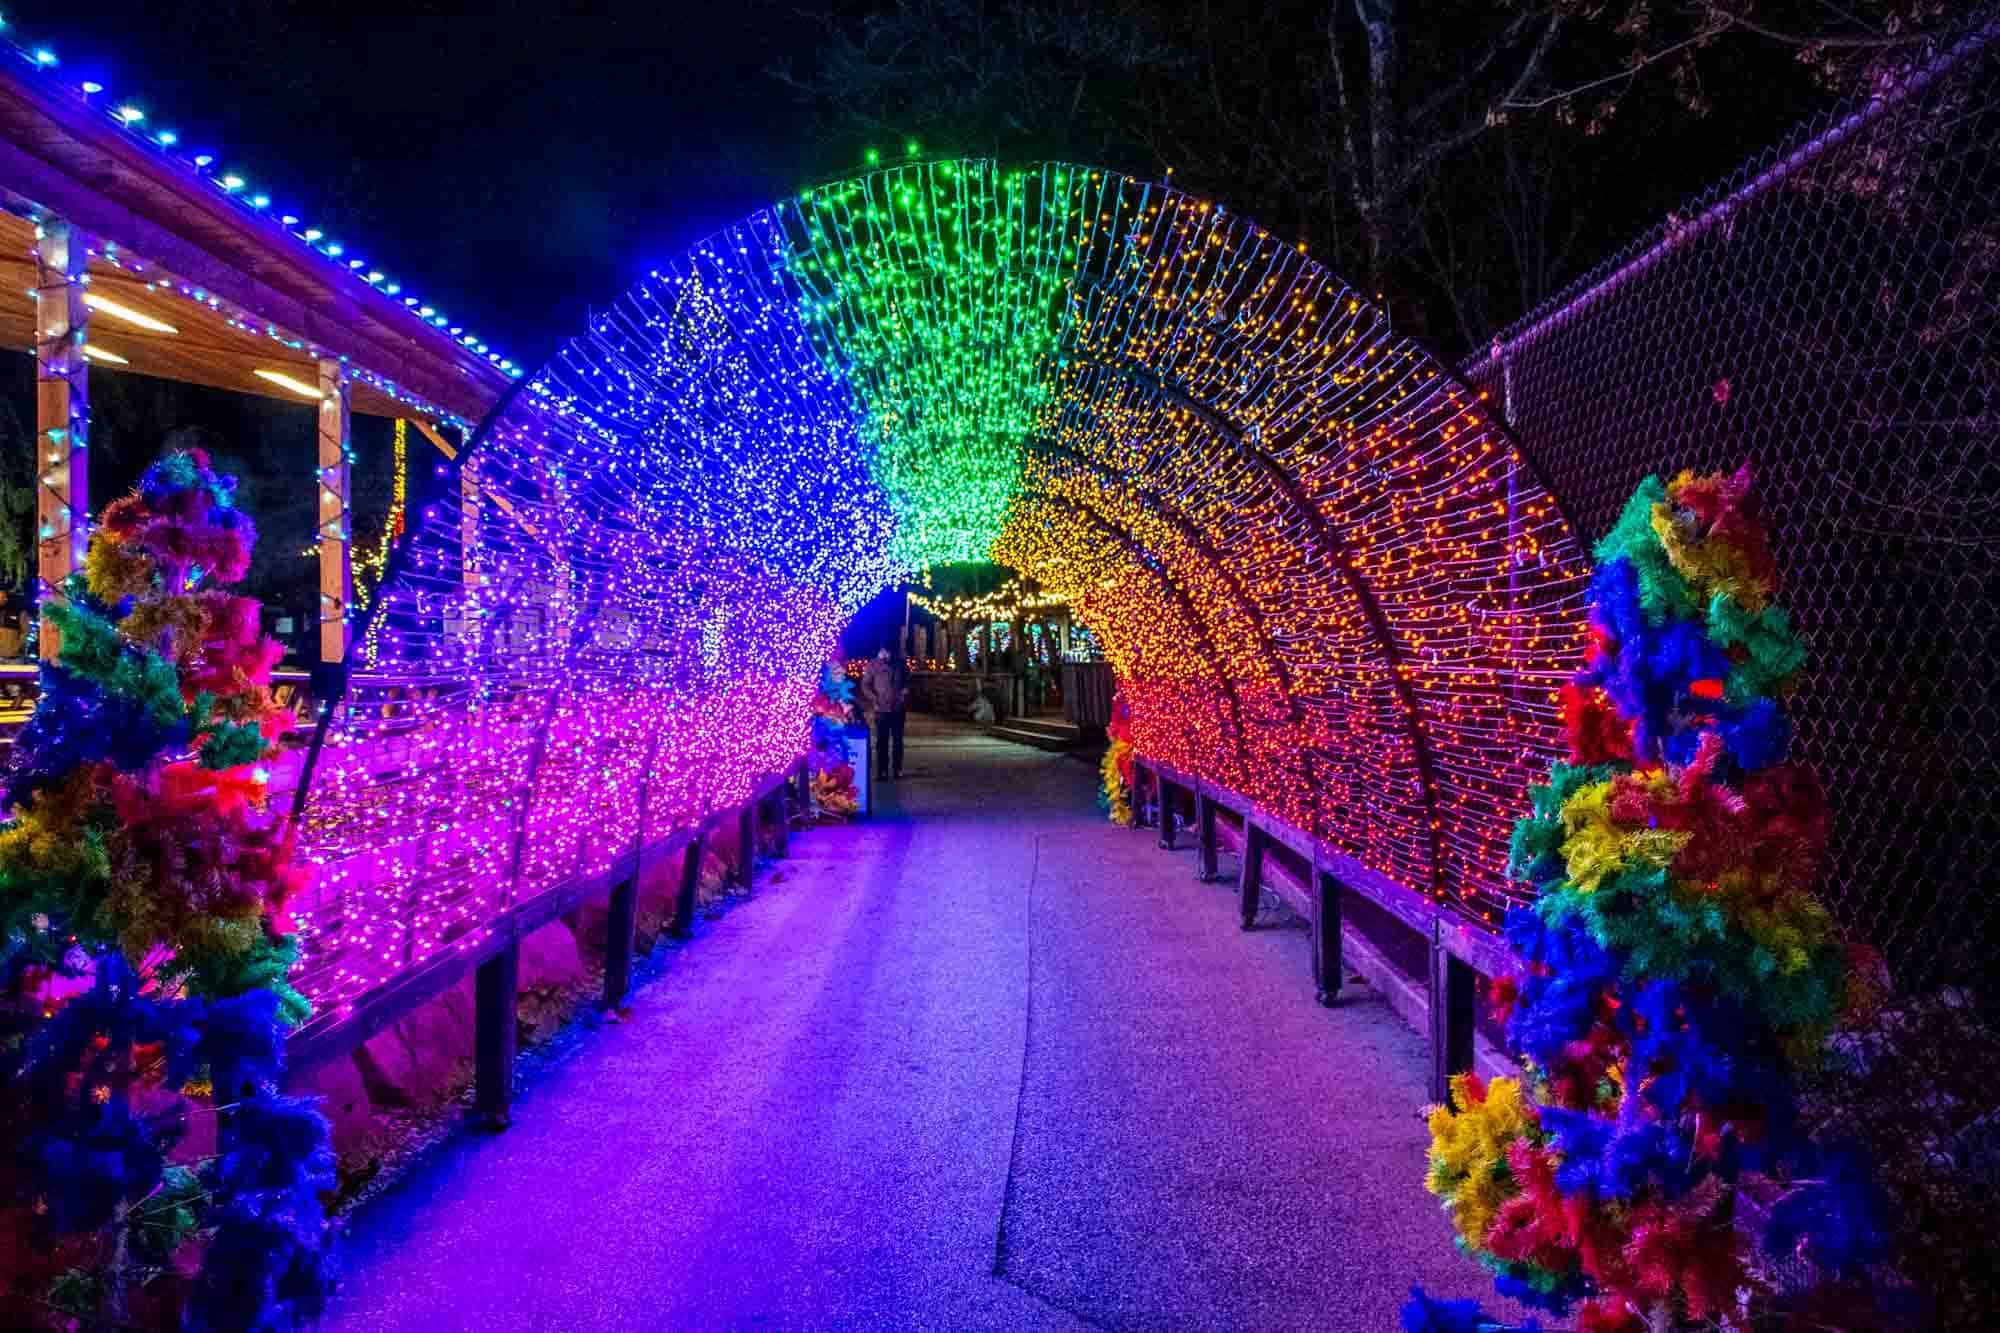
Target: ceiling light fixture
{"x": 136, "y": 318}
{"x": 299, "y": 387}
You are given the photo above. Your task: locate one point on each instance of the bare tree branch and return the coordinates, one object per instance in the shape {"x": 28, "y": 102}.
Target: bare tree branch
{"x": 1444, "y": 147}
{"x": 1507, "y": 39}
{"x": 1337, "y": 61}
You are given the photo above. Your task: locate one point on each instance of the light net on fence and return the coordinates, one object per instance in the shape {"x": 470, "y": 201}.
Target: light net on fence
{"x": 1831, "y": 315}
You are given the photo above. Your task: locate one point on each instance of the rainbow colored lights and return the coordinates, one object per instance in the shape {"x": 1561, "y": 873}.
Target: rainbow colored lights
{"x": 1324, "y": 577}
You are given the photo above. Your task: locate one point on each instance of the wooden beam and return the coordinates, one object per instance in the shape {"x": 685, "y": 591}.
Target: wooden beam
{"x": 1204, "y": 824}
{"x": 1255, "y": 841}
{"x": 1326, "y": 927}
{"x": 214, "y": 346}
{"x": 336, "y": 566}
{"x": 62, "y": 414}
{"x": 431, "y": 433}
{"x": 746, "y": 836}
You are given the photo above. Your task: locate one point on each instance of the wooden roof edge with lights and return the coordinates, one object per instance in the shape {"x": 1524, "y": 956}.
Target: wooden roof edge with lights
{"x": 66, "y": 159}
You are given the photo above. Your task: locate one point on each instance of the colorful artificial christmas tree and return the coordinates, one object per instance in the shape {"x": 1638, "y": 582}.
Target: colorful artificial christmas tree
{"x": 143, "y": 947}
{"x": 830, "y": 761}
{"x": 1650, "y": 1169}
{"x": 1114, "y": 771}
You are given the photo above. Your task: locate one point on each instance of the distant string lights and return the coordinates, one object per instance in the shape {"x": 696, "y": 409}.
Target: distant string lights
{"x": 1008, "y": 602}
{"x": 371, "y": 564}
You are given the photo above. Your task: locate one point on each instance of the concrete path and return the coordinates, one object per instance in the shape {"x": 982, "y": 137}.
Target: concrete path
{"x": 984, "y": 1062}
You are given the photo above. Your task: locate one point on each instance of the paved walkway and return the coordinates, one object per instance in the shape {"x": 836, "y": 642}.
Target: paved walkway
{"x": 983, "y": 1062}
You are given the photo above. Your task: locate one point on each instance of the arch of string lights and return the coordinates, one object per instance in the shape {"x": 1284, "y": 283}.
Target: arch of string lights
{"x": 1323, "y": 575}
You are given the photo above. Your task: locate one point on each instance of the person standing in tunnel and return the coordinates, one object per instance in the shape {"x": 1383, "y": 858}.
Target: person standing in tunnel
{"x": 885, "y": 693}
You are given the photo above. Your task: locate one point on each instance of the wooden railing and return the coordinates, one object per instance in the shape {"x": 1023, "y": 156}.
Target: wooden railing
{"x": 20, "y": 687}
{"x": 1317, "y": 882}
{"x": 493, "y": 951}
{"x": 494, "y": 959}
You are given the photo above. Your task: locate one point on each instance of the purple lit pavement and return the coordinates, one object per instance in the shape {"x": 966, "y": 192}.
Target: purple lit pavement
{"x": 984, "y": 1062}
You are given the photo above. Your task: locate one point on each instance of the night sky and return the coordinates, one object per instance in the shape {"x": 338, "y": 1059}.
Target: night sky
{"x": 516, "y": 163}
{"x": 512, "y": 163}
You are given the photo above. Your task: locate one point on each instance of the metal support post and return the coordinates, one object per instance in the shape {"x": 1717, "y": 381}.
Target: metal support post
{"x": 1255, "y": 842}
{"x": 1451, "y": 987}
{"x": 1326, "y": 905}
{"x": 682, "y": 924}
{"x": 496, "y": 1036}
{"x": 620, "y": 925}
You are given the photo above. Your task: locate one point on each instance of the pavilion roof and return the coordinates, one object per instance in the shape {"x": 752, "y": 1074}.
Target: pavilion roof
{"x": 242, "y": 286}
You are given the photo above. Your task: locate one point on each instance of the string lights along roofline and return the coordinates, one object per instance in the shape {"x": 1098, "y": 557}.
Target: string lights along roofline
{"x": 231, "y": 183}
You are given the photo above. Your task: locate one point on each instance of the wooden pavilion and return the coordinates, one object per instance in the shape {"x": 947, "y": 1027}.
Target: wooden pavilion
{"x": 119, "y": 249}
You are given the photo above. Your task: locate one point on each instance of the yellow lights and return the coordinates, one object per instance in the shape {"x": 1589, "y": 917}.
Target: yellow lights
{"x": 96, "y": 353}
{"x": 284, "y": 381}
{"x": 138, "y": 319}
{"x": 1005, "y": 603}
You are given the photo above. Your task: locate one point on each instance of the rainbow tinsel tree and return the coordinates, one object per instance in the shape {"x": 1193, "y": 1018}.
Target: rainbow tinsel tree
{"x": 1114, "y": 771}
{"x": 830, "y": 760}
{"x": 1650, "y": 1167}
{"x": 144, "y": 953}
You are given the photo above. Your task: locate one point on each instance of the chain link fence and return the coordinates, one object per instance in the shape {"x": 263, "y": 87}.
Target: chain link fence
{"x": 1831, "y": 315}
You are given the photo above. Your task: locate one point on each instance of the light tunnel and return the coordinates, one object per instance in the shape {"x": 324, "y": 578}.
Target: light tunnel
{"x": 1325, "y": 576}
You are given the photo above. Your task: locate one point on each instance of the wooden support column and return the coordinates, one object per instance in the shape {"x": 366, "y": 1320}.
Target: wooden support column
{"x": 682, "y": 924}
{"x": 621, "y": 920}
{"x": 336, "y": 567}
{"x": 1205, "y": 842}
{"x": 496, "y": 1035}
{"x": 62, "y": 415}
{"x": 1255, "y": 842}
{"x": 1451, "y": 996}
{"x": 1326, "y": 905}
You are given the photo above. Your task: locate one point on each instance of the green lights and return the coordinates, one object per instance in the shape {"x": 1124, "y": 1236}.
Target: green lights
{"x": 936, "y": 294}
